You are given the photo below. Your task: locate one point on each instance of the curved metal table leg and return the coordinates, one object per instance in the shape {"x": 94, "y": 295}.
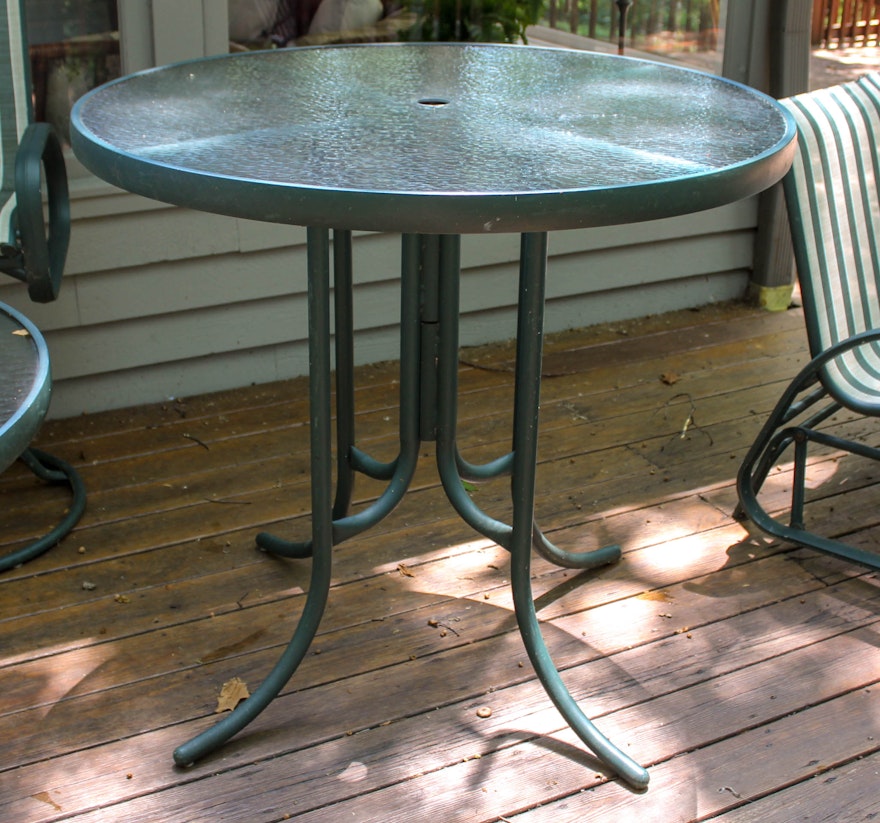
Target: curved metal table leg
{"x": 349, "y": 459}
{"x": 452, "y": 467}
{"x": 344, "y": 344}
{"x": 322, "y": 494}
{"x": 331, "y": 521}
{"x": 590, "y": 559}
{"x": 52, "y": 470}
{"x": 526, "y": 404}
{"x": 519, "y": 537}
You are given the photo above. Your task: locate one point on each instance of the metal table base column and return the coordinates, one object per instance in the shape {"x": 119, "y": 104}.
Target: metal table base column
{"x": 428, "y": 412}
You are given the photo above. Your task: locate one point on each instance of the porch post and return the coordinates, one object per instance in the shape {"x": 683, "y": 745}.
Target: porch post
{"x": 767, "y": 46}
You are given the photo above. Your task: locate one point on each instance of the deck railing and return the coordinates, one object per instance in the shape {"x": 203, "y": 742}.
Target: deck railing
{"x": 845, "y": 23}
{"x": 681, "y": 25}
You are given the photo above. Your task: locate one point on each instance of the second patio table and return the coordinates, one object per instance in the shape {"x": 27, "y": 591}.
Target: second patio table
{"x": 432, "y": 141}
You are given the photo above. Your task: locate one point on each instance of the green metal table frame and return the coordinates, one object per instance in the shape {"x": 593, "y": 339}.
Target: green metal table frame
{"x": 428, "y": 412}
{"x": 432, "y": 141}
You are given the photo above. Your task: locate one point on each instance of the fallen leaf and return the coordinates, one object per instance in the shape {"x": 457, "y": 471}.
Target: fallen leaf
{"x": 231, "y": 694}
{"x": 670, "y": 378}
{"x": 404, "y": 570}
{"x": 21, "y": 333}
{"x": 44, "y": 797}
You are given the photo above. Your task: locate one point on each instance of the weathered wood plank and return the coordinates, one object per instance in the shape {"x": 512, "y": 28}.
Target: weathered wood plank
{"x": 702, "y": 644}
{"x": 476, "y": 770}
{"x": 848, "y": 792}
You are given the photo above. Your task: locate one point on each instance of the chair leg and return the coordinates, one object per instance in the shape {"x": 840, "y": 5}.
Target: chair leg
{"x": 52, "y": 470}
{"x": 799, "y": 480}
{"x": 764, "y": 453}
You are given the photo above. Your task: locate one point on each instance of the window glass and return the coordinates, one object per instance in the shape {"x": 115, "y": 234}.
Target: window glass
{"x": 257, "y": 23}
{"x": 685, "y": 31}
{"x": 264, "y": 23}
{"x": 689, "y": 32}
{"x": 73, "y": 46}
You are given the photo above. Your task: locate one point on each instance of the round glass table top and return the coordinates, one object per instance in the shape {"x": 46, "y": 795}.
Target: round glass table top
{"x": 437, "y": 138}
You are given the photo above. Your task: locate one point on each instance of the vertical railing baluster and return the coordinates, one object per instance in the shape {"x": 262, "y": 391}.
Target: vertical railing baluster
{"x": 623, "y": 7}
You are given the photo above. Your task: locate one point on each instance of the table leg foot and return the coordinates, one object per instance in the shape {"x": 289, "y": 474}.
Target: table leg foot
{"x": 616, "y": 760}
{"x": 284, "y": 548}
{"x": 591, "y": 559}
{"x": 52, "y": 470}
{"x": 211, "y": 739}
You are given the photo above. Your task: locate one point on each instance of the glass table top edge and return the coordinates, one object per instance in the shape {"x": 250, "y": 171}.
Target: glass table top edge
{"x": 452, "y": 211}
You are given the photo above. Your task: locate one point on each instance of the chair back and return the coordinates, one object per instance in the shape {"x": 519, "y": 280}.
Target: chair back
{"x": 834, "y": 212}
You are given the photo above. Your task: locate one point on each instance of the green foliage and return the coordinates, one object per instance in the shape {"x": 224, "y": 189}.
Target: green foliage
{"x": 487, "y": 21}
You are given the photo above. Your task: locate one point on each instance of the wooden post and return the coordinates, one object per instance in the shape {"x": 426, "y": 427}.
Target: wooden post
{"x": 817, "y": 32}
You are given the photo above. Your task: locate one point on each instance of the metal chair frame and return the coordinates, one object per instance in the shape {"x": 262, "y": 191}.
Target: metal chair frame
{"x": 34, "y": 252}
{"x": 833, "y": 197}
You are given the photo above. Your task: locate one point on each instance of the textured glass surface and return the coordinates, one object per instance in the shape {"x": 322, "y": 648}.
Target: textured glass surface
{"x": 446, "y": 119}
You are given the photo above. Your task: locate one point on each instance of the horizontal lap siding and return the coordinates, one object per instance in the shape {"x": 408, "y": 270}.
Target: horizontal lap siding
{"x": 160, "y": 302}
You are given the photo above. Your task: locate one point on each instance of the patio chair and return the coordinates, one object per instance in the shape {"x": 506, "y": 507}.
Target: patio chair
{"x": 833, "y": 198}
{"x": 29, "y": 155}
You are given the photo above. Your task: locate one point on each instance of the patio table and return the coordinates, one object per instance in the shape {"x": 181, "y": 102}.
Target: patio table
{"x": 432, "y": 141}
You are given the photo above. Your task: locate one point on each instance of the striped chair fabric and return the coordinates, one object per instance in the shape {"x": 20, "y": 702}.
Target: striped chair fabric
{"x": 834, "y": 209}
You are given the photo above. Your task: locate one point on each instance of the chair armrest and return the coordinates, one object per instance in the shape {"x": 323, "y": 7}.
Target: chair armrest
{"x": 38, "y": 253}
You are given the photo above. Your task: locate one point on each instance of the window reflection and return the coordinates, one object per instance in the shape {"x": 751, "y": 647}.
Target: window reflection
{"x": 261, "y": 23}
{"x": 74, "y": 44}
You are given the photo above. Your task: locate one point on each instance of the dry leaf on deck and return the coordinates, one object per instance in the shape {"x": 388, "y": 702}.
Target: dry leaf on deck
{"x": 670, "y": 378}
{"x": 231, "y": 694}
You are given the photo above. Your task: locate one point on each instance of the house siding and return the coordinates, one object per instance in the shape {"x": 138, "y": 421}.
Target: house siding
{"x": 164, "y": 302}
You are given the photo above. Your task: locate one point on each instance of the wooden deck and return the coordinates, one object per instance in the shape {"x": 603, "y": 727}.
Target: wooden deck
{"x": 743, "y": 672}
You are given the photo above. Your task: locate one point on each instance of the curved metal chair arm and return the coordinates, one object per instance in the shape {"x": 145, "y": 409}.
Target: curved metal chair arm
{"x": 38, "y": 256}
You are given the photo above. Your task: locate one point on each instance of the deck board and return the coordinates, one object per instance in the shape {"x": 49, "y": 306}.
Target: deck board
{"x": 704, "y": 645}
